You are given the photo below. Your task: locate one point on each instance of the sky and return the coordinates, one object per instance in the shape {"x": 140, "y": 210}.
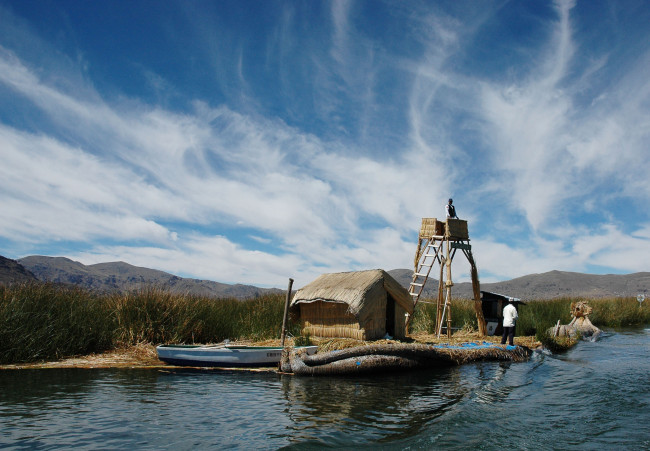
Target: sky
{"x": 252, "y": 141}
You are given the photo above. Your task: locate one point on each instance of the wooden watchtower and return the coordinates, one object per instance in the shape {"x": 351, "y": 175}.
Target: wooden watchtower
{"x": 438, "y": 242}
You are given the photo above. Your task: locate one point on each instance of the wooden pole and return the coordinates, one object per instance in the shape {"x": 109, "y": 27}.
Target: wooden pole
{"x": 448, "y": 284}
{"x": 286, "y": 313}
{"x": 441, "y": 298}
{"x": 478, "y": 305}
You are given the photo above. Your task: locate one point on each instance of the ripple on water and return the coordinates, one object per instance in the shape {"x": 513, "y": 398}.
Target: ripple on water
{"x": 594, "y": 396}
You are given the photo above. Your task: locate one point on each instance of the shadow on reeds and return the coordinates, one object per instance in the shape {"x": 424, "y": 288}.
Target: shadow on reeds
{"x": 51, "y": 321}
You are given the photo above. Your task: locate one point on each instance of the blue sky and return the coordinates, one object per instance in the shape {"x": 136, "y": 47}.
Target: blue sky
{"x": 252, "y": 141}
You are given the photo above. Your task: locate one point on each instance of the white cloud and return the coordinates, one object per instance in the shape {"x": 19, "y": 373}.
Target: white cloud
{"x": 153, "y": 166}
{"x": 183, "y": 190}
{"x": 609, "y": 247}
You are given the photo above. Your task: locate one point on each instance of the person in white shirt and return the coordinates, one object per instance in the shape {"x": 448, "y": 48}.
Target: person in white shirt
{"x": 509, "y": 321}
{"x": 451, "y": 210}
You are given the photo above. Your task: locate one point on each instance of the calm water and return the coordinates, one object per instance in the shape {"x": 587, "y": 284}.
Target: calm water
{"x": 596, "y": 396}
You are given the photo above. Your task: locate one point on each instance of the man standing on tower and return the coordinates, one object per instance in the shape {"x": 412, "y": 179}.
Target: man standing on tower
{"x": 451, "y": 210}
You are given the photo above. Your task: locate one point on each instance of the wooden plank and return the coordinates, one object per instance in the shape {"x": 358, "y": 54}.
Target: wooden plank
{"x": 464, "y": 246}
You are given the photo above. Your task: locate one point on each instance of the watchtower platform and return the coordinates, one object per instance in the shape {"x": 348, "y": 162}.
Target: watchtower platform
{"x": 452, "y": 229}
{"x": 438, "y": 242}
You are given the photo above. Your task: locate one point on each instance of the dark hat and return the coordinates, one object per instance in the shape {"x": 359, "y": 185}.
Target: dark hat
{"x": 451, "y": 200}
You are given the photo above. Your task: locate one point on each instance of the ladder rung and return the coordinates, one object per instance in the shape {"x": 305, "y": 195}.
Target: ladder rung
{"x": 416, "y": 284}
{"x": 417, "y": 274}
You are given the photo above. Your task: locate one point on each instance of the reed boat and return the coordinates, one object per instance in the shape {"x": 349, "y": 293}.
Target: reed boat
{"x": 224, "y": 355}
{"x": 378, "y": 358}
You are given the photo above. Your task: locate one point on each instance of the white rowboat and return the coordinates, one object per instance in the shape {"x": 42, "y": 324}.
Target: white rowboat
{"x": 222, "y": 355}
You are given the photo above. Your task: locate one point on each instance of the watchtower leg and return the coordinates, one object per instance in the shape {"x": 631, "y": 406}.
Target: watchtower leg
{"x": 476, "y": 288}
{"x": 448, "y": 284}
{"x": 441, "y": 298}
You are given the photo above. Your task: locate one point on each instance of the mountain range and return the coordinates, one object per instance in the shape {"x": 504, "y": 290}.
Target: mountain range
{"x": 120, "y": 276}
{"x": 548, "y": 285}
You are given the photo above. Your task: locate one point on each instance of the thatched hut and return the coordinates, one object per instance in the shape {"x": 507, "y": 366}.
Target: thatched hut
{"x": 365, "y": 305}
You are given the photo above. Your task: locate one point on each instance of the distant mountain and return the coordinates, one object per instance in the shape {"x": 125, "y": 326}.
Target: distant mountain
{"x": 13, "y": 272}
{"x": 547, "y": 285}
{"x": 120, "y": 276}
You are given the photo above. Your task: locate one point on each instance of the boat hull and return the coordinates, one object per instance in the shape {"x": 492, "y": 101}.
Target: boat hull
{"x": 222, "y": 356}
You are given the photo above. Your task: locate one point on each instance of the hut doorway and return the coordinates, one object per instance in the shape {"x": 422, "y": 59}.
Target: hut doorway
{"x": 390, "y": 316}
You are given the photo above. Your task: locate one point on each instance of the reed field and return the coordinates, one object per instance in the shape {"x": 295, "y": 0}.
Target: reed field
{"x": 537, "y": 316}
{"x": 49, "y": 321}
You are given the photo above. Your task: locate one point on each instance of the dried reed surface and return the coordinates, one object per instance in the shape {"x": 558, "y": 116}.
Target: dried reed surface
{"x": 462, "y": 336}
{"x": 143, "y": 355}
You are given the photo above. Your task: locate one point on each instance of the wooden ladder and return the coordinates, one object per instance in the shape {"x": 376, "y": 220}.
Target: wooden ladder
{"x": 420, "y": 276}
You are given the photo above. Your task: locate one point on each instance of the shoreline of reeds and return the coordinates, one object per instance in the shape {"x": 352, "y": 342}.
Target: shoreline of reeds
{"x": 537, "y": 316}
{"x": 47, "y": 321}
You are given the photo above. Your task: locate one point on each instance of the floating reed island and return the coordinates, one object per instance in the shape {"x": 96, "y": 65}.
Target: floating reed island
{"x": 54, "y": 326}
{"x": 368, "y": 305}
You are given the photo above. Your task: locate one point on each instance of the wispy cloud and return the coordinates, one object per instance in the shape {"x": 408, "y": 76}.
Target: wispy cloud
{"x": 152, "y": 167}
{"x": 369, "y": 135}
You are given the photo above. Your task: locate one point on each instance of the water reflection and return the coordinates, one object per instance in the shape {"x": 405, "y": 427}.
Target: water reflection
{"x": 594, "y": 396}
{"x": 381, "y": 408}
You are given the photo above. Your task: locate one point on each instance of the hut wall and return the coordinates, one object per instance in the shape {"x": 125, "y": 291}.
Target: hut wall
{"x": 372, "y": 316}
{"x": 330, "y": 319}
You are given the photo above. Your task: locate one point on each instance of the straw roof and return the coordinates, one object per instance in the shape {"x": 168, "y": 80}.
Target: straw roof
{"x": 354, "y": 288}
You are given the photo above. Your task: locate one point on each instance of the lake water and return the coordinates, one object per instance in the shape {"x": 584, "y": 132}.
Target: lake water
{"x": 596, "y": 396}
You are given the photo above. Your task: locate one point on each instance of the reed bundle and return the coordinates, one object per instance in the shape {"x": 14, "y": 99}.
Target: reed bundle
{"x": 392, "y": 357}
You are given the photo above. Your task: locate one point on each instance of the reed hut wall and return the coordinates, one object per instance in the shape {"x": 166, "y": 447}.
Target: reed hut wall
{"x": 364, "y": 305}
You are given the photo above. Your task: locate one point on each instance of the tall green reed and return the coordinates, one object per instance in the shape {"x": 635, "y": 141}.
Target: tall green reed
{"x": 157, "y": 316}
{"x": 619, "y": 312}
{"x": 537, "y": 316}
{"x": 46, "y": 321}
{"x": 49, "y": 321}
{"x": 462, "y": 316}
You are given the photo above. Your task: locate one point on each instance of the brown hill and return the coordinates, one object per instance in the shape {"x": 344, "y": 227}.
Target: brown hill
{"x": 13, "y": 272}
{"x": 120, "y": 276}
{"x": 547, "y": 285}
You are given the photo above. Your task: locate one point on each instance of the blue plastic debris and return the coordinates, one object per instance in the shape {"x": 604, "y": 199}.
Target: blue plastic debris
{"x": 483, "y": 345}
